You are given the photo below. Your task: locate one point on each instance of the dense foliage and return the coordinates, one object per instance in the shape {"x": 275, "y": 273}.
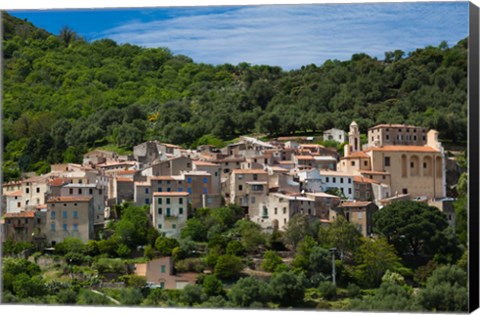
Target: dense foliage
{"x": 64, "y": 95}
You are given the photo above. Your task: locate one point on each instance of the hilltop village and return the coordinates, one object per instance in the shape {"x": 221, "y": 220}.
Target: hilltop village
{"x": 266, "y": 213}
{"x": 271, "y": 181}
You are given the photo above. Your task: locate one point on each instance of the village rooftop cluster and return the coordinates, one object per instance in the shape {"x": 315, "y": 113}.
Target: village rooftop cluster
{"x": 271, "y": 181}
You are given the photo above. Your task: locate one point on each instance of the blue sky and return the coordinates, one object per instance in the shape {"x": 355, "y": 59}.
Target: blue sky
{"x": 288, "y": 36}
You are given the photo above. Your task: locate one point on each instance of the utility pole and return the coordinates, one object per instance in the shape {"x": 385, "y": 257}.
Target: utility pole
{"x": 333, "y": 250}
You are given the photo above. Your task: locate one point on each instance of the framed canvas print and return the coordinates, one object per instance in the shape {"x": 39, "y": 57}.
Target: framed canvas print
{"x": 245, "y": 157}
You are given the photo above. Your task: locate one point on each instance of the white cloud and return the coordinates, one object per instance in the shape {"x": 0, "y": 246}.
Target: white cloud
{"x": 296, "y": 35}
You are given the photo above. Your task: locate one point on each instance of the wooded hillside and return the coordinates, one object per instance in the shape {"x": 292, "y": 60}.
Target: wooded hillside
{"x": 64, "y": 95}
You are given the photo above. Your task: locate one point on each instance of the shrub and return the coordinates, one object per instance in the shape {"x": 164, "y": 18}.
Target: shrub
{"x": 328, "y": 289}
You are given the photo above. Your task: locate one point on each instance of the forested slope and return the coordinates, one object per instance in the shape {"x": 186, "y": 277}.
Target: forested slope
{"x": 64, "y": 95}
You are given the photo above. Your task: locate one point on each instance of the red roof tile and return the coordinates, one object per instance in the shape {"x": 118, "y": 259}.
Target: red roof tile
{"x": 361, "y": 179}
{"x": 23, "y": 214}
{"x": 203, "y": 163}
{"x": 16, "y": 193}
{"x": 69, "y": 199}
{"x": 58, "y": 182}
{"x": 395, "y": 126}
{"x": 404, "y": 148}
{"x": 249, "y": 171}
{"x": 356, "y": 155}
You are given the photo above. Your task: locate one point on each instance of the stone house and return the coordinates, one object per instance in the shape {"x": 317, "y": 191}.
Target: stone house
{"x": 160, "y": 272}
{"x": 359, "y": 213}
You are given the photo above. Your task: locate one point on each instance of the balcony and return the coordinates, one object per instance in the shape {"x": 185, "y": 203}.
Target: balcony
{"x": 171, "y": 217}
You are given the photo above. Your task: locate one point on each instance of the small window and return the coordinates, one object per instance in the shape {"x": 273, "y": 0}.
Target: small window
{"x": 169, "y": 189}
{"x": 168, "y": 182}
{"x": 174, "y": 226}
{"x": 70, "y": 191}
{"x": 349, "y": 191}
{"x": 163, "y": 269}
{"x": 52, "y": 227}
{"x": 38, "y": 190}
{"x": 27, "y": 190}
{"x": 159, "y": 226}
{"x": 205, "y": 180}
{"x": 387, "y": 137}
{"x": 334, "y": 179}
{"x": 159, "y": 201}
{"x": 90, "y": 191}
{"x": 284, "y": 210}
{"x": 168, "y": 201}
{"x": 147, "y": 201}
{"x": 147, "y": 190}
{"x": 255, "y": 176}
{"x": 180, "y": 210}
{"x": 160, "y": 211}
{"x": 189, "y": 190}
{"x": 205, "y": 191}
{"x": 79, "y": 191}
{"x": 341, "y": 180}
{"x": 275, "y": 210}
{"x": 180, "y": 189}
{"x": 253, "y": 199}
{"x": 189, "y": 180}
{"x": 65, "y": 227}
{"x": 75, "y": 214}
{"x": 365, "y": 163}
{"x": 387, "y": 161}
{"x": 160, "y": 189}
{"x": 352, "y": 163}
{"x": 75, "y": 227}
{"x": 18, "y": 204}
{"x": 53, "y": 215}
{"x": 180, "y": 201}
{"x": 349, "y": 180}
{"x": 327, "y": 179}
{"x": 412, "y": 164}
{"x": 240, "y": 187}
{"x": 424, "y": 165}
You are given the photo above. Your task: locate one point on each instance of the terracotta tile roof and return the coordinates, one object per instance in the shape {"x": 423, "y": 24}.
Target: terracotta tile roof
{"x": 36, "y": 179}
{"x": 286, "y": 162}
{"x": 311, "y": 146}
{"x": 12, "y": 183}
{"x": 16, "y": 193}
{"x": 169, "y": 145}
{"x": 23, "y": 214}
{"x": 354, "y": 204}
{"x": 127, "y": 172}
{"x": 327, "y": 172}
{"x": 404, "y": 148}
{"x": 124, "y": 179}
{"x": 69, "y": 199}
{"x": 361, "y": 179}
{"x": 171, "y": 193}
{"x": 249, "y": 171}
{"x": 42, "y": 206}
{"x": 203, "y": 163}
{"x": 58, "y": 182}
{"x": 356, "y": 155}
{"x": 147, "y": 183}
{"x": 395, "y": 126}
